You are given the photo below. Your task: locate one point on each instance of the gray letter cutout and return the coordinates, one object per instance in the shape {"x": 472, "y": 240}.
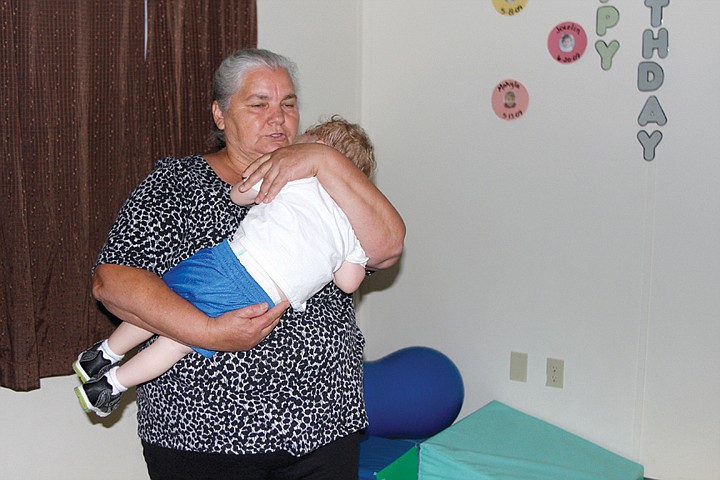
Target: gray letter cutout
{"x": 652, "y": 112}
{"x": 656, "y": 12}
{"x": 659, "y": 43}
{"x": 650, "y": 76}
{"x": 649, "y": 142}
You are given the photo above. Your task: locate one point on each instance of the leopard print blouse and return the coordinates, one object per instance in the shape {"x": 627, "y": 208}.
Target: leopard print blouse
{"x": 298, "y": 390}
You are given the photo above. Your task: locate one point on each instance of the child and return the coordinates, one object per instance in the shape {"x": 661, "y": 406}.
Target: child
{"x": 250, "y": 267}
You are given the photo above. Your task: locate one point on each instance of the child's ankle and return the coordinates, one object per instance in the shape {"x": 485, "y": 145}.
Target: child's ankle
{"x": 108, "y": 352}
{"x": 114, "y": 382}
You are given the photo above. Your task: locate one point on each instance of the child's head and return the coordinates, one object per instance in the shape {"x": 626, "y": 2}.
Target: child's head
{"x": 349, "y": 139}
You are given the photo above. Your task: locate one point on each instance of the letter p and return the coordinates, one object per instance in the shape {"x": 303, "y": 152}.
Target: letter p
{"x": 607, "y": 17}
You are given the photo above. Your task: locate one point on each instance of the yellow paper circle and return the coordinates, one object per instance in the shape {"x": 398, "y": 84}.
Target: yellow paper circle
{"x": 509, "y": 7}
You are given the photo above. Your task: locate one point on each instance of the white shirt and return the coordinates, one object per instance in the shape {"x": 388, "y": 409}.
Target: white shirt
{"x": 300, "y": 239}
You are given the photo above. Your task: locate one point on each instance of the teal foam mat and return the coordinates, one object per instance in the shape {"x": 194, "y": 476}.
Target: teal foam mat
{"x": 498, "y": 442}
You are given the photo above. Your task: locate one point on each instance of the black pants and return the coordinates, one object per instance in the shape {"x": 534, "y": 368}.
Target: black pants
{"x": 335, "y": 461}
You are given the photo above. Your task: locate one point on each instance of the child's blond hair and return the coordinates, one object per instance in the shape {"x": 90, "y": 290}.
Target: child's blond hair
{"x": 349, "y": 139}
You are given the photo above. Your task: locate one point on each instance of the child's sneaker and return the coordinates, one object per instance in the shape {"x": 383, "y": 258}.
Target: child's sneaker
{"x": 92, "y": 363}
{"x": 96, "y": 395}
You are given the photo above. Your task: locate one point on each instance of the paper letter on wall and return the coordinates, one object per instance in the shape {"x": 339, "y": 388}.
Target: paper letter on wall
{"x": 649, "y": 142}
{"x": 650, "y": 76}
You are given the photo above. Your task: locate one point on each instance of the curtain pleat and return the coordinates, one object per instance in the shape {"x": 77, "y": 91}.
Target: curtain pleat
{"x": 18, "y": 341}
{"x": 84, "y": 116}
{"x": 187, "y": 42}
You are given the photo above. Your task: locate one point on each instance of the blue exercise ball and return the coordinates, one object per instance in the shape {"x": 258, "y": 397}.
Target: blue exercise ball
{"x": 412, "y": 393}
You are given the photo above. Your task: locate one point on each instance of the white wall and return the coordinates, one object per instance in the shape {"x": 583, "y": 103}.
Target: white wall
{"x": 46, "y": 435}
{"x": 322, "y": 37}
{"x": 525, "y": 235}
{"x": 551, "y": 235}
{"x": 548, "y": 235}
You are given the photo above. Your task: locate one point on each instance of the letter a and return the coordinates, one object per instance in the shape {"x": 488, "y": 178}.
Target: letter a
{"x": 652, "y": 112}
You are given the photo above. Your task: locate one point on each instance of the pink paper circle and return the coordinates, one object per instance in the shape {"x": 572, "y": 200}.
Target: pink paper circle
{"x": 567, "y": 42}
{"x": 510, "y": 99}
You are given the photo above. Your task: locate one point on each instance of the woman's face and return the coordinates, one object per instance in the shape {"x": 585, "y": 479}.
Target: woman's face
{"x": 262, "y": 116}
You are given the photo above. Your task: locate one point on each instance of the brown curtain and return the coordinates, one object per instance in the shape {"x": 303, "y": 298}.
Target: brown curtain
{"x": 85, "y": 111}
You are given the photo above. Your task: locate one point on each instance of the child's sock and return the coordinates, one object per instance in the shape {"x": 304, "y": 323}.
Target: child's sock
{"x": 113, "y": 380}
{"x": 108, "y": 353}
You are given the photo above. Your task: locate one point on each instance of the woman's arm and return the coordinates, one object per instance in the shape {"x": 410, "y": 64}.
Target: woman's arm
{"x": 376, "y": 223}
{"x": 142, "y": 299}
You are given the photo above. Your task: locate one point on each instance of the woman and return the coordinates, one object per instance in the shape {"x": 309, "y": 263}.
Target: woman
{"x": 285, "y": 400}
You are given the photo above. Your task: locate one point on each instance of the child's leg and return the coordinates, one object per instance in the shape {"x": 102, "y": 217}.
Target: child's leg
{"x": 102, "y": 356}
{"x": 151, "y": 362}
{"x": 102, "y": 394}
{"x": 126, "y": 337}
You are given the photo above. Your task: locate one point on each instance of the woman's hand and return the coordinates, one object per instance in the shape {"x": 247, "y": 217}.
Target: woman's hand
{"x": 141, "y": 298}
{"x": 242, "y": 329}
{"x": 302, "y": 160}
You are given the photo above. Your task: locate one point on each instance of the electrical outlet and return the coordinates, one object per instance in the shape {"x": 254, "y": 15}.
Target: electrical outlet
{"x": 518, "y": 366}
{"x": 555, "y": 373}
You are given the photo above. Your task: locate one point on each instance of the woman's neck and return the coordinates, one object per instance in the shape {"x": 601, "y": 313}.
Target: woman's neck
{"x": 224, "y": 167}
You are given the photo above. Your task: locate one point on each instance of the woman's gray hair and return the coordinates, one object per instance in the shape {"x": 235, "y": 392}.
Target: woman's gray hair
{"x": 230, "y": 75}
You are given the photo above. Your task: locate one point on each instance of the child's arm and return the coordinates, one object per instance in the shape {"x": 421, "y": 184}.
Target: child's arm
{"x": 349, "y": 276}
{"x": 374, "y": 219}
{"x": 244, "y": 198}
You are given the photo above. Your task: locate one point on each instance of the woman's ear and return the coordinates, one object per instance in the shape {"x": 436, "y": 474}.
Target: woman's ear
{"x": 218, "y": 115}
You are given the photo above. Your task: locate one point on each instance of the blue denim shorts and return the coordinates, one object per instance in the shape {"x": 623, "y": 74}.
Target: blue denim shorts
{"x": 215, "y": 281}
